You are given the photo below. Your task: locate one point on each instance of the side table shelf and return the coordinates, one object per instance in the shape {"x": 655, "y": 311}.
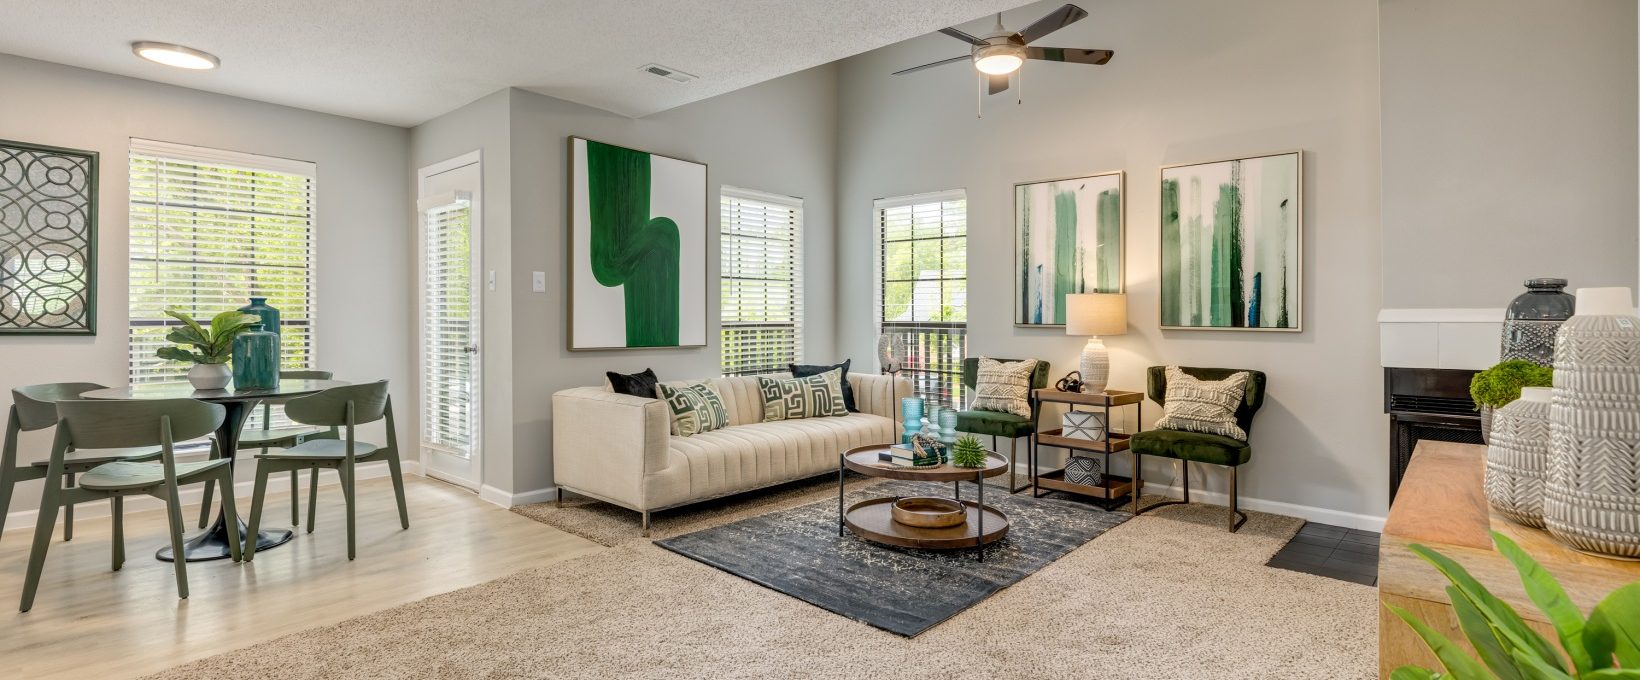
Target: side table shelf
{"x": 1112, "y": 488}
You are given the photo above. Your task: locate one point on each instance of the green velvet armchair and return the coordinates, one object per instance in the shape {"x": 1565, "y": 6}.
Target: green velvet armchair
{"x": 1199, "y": 447}
{"x": 996, "y": 423}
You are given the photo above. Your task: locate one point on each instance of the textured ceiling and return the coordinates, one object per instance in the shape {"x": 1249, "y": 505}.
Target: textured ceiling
{"x": 405, "y": 61}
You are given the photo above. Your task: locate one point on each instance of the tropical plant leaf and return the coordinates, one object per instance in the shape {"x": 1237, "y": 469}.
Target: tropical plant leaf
{"x": 1456, "y": 661}
{"x": 1537, "y": 668}
{"x": 1614, "y": 674}
{"x": 226, "y": 325}
{"x": 189, "y": 322}
{"x": 1413, "y": 673}
{"x": 1614, "y": 627}
{"x": 176, "y": 354}
{"x": 1502, "y": 616}
{"x": 1547, "y": 594}
{"x": 1489, "y": 643}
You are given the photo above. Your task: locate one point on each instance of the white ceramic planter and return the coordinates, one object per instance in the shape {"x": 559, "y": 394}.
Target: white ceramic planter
{"x": 1517, "y": 459}
{"x": 210, "y": 376}
{"x": 1592, "y": 498}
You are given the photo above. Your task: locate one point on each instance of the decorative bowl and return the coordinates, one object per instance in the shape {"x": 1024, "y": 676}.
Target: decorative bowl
{"x": 928, "y": 512}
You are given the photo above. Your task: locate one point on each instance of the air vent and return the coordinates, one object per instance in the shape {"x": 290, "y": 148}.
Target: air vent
{"x": 666, "y": 72}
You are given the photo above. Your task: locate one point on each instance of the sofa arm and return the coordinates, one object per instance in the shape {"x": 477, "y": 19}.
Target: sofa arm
{"x": 879, "y": 394}
{"x": 605, "y": 443}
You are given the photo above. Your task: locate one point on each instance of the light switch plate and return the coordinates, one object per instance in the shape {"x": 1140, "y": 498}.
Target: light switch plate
{"x": 538, "y": 282}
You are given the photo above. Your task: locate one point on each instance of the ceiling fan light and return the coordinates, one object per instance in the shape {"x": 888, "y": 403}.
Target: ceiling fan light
{"x": 175, "y": 55}
{"x": 998, "y": 60}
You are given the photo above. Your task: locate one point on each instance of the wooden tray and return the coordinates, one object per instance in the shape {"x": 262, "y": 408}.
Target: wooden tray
{"x": 1111, "y": 487}
{"x": 873, "y": 520}
{"x": 1113, "y": 441}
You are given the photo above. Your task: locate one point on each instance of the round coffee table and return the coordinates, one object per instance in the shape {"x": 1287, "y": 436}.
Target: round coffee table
{"x": 872, "y": 519}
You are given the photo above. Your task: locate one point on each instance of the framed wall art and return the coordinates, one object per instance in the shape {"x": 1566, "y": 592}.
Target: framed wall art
{"x": 1067, "y": 239}
{"x": 48, "y": 240}
{"x": 637, "y": 249}
{"x": 1232, "y": 244}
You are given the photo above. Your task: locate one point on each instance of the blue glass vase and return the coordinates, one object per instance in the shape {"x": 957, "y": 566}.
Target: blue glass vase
{"x": 911, "y": 415}
{"x": 270, "y": 316}
{"x": 256, "y": 360}
{"x": 948, "y": 426}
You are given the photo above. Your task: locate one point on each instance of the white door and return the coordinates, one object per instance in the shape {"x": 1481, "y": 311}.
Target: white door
{"x": 450, "y": 220}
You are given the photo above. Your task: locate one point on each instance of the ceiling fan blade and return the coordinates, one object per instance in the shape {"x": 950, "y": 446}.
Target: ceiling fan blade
{"x": 963, "y": 36}
{"x": 941, "y": 62}
{"x": 997, "y": 84}
{"x": 1069, "y": 54}
{"x": 1055, "y": 20}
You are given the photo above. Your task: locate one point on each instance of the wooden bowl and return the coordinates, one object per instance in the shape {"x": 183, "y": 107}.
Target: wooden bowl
{"x": 929, "y": 512}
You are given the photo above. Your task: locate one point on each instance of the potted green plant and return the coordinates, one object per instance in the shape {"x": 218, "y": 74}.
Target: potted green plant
{"x": 212, "y": 346}
{"x": 1604, "y": 645}
{"x": 1499, "y": 385}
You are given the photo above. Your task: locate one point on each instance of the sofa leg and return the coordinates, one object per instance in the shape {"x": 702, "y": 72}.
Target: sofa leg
{"x": 646, "y": 524}
{"x": 560, "y": 496}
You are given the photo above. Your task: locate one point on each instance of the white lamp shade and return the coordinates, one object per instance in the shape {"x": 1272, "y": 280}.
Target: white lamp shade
{"x": 1096, "y": 314}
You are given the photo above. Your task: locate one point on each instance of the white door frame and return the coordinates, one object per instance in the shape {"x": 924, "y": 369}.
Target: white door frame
{"x": 473, "y": 476}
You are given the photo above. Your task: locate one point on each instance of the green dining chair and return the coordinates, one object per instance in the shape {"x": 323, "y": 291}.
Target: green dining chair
{"x": 35, "y": 408}
{"x": 346, "y": 408}
{"x": 104, "y": 424}
{"x": 269, "y": 437}
{"x": 996, "y": 423}
{"x": 1199, "y": 447}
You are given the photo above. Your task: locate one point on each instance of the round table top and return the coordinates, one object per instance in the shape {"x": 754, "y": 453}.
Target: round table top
{"x": 864, "y": 460}
{"x": 182, "y": 390}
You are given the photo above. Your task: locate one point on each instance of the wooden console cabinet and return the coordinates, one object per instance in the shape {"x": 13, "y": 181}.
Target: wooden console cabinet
{"x": 1441, "y": 505}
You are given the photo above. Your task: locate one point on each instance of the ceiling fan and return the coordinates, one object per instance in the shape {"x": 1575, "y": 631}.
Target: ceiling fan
{"x": 1001, "y": 53}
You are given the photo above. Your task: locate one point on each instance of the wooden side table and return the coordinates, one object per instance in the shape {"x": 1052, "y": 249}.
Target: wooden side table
{"x": 1112, "y": 488}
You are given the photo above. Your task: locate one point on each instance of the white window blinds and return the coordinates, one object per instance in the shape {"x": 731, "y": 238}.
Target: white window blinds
{"x": 209, "y": 229}
{"x": 762, "y": 279}
{"x": 448, "y": 324}
{"x": 923, "y": 288}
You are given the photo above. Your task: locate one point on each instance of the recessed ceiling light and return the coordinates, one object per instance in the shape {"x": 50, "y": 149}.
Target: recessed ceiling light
{"x": 175, "y": 55}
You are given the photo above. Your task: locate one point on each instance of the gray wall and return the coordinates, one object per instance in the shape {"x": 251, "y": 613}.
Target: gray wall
{"x": 1509, "y": 147}
{"x": 362, "y": 209}
{"x": 1191, "y": 81}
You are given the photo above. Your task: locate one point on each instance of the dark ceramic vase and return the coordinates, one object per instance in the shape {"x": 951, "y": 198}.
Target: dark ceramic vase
{"x": 1531, "y": 320}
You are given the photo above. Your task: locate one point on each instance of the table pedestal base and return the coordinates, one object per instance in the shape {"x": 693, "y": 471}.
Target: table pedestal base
{"x": 213, "y": 544}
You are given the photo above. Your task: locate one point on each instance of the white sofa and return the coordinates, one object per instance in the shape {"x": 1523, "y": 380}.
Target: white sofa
{"x": 619, "y": 448}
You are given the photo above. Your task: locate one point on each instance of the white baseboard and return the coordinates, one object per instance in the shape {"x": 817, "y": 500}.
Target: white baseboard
{"x": 508, "y": 499}
{"x": 1306, "y": 512}
{"x": 24, "y": 519}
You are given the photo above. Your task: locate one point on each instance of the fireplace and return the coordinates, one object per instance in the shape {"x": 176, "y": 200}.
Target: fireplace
{"x": 1426, "y": 403}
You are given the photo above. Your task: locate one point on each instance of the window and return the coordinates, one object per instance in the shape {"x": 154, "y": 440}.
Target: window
{"x": 923, "y": 288}
{"x": 762, "y": 279}
{"x": 209, "y": 229}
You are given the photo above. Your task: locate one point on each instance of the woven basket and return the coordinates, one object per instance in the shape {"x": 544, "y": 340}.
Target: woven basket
{"x": 1517, "y": 460}
{"x": 1592, "y": 499}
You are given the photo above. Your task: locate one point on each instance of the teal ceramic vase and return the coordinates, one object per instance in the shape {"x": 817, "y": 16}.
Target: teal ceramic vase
{"x": 270, "y": 316}
{"x": 256, "y": 360}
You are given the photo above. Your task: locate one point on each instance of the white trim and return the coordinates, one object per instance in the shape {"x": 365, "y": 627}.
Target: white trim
{"x": 1306, "y": 512}
{"x": 507, "y": 499}
{"x": 239, "y": 159}
{"x": 475, "y": 195}
{"x": 243, "y": 491}
{"x": 914, "y": 199}
{"x": 761, "y": 196}
{"x": 1455, "y": 315}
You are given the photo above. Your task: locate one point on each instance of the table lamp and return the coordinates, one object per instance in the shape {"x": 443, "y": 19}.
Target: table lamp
{"x": 1093, "y": 315}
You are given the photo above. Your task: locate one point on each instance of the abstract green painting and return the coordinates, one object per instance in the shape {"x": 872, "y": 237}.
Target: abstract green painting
{"x": 1232, "y": 244}
{"x": 638, "y": 249}
{"x": 1067, "y": 239}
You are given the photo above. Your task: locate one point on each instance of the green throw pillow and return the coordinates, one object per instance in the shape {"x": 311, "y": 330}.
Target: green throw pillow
{"x": 696, "y": 408}
{"x": 811, "y": 397}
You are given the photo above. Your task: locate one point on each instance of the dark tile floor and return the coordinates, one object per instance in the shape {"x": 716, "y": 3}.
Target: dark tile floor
{"x": 1334, "y": 552}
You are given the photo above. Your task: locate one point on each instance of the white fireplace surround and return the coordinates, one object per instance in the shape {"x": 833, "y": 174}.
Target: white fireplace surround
{"x": 1439, "y": 338}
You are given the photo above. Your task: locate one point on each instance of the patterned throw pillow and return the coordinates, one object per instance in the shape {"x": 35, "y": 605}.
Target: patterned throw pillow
{"x": 1004, "y": 387}
{"x": 811, "y": 397}
{"x": 1203, "y": 405}
{"x": 696, "y": 408}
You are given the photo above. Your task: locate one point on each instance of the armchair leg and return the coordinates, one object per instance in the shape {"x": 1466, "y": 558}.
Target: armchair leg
{"x": 1138, "y": 486}
{"x": 1237, "y": 517}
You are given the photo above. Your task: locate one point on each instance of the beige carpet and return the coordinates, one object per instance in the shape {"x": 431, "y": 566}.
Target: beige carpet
{"x": 1166, "y": 595}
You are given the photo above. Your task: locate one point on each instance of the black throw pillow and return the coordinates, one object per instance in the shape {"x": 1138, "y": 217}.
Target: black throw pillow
{"x": 806, "y": 370}
{"x": 638, "y": 384}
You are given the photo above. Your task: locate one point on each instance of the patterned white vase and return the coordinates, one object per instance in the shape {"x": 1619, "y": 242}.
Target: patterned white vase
{"x": 1592, "y": 499}
{"x": 1518, "y": 458}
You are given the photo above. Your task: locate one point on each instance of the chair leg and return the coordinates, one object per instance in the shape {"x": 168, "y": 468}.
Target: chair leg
{"x": 117, "y": 509}
{"x": 398, "y": 488}
{"x": 68, "y": 512}
{"x": 313, "y": 498}
{"x": 1186, "y": 465}
{"x": 1013, "y": 462}
{"x": 230, "y": 517}
{"x": 6, "y": 483}
{"x": 1237, "y": 517}
{"x": 179, "y": 559}
{"x": 1138, "y": 481}
{"x": 205, "y": 507}
{"x": 44, "y": 526}
{"x": 257, "y": 498}
{"x": 347, "y": 495}
{"x": 295, "y": 497}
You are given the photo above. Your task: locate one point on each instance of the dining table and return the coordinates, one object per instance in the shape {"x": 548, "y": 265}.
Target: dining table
{"x": 213, "y": 543}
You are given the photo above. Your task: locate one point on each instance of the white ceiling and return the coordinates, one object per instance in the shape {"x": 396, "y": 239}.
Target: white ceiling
{"x": 405, "y": 61}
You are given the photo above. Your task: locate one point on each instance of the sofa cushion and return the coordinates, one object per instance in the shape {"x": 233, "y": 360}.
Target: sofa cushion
{"x": 1196, "y": 446}
{"x": 695, "y": 408}
{"x": 636, "y": 384}
{"x": 806, "y": 370}
{"x": 815, "y": 396}
{"x": 743, "y": 457}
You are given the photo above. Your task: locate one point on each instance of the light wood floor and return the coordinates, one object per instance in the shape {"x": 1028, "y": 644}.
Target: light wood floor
{"x": 89, "y": 621}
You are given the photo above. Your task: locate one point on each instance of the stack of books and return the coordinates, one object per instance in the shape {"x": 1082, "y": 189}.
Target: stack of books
{"x": 903, "y": 455}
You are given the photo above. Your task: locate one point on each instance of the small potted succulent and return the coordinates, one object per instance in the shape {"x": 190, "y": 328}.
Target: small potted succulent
{"x": 1499, "y": 385}
{"x": 212, "y": 346}
{"x": 968, "y": 453}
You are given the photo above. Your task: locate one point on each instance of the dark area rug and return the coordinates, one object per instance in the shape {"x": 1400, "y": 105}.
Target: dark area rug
{"x": 903, "y": 591}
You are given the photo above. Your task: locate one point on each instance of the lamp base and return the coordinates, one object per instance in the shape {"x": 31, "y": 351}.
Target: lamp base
{"x": 1095, "y": 366}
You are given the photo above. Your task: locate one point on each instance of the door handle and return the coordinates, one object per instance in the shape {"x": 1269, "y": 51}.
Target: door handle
{"x": 470, "y": 349}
